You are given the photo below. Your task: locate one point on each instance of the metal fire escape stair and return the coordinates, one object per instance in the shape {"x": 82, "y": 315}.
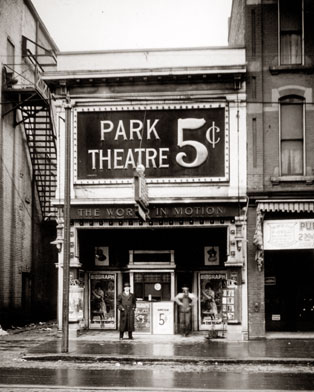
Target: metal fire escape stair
{"x": 41, "y": 142}
{"x": 25, "y": 90}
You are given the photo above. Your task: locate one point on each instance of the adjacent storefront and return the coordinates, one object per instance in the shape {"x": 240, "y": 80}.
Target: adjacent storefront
{"x": 289, "y": 271}
{"x": 288, "y": 260}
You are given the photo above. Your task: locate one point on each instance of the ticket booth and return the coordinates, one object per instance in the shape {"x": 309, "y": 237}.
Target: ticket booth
{"x": 152, "y": 280}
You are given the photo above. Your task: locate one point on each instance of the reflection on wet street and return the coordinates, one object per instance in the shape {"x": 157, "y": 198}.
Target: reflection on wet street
{"x": 159, "y": 379}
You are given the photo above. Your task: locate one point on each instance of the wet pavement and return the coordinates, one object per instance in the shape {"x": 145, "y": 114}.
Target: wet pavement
{"x": 156, "y": 380}
{"x": 167, "y": 348}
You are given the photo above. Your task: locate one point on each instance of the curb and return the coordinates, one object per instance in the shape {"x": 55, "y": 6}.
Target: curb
{"x": 178, "y": 359}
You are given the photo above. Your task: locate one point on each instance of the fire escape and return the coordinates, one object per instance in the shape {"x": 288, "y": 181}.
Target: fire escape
{"x": 31, "y": 100}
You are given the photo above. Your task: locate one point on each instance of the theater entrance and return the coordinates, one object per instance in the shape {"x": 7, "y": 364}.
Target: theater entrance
{"x": 289, "y": 290}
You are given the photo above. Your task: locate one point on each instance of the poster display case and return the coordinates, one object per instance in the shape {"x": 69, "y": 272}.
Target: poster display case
{"x": 219, "y": 303}
{"x": 102, "y": 300}
{"x": 143, "y": 317}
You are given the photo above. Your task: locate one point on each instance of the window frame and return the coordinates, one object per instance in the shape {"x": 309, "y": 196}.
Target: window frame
{"x": 303, "y": 103}
{"x": 10, "y": 62}
{"x": 302, "y": 37}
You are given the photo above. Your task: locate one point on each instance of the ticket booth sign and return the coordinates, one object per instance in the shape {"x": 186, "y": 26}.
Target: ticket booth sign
{"x": 163, "y": 320}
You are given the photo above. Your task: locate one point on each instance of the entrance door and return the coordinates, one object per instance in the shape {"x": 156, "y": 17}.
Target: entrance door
{"x": 289, "y": 290}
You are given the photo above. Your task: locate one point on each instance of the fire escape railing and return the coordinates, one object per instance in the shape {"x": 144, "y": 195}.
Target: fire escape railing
{"x": 29, "y": 94}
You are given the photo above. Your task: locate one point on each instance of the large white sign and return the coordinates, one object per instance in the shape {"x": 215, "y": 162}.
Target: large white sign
{"x": 289, "y": 234}
{"x": 163, "y": 322}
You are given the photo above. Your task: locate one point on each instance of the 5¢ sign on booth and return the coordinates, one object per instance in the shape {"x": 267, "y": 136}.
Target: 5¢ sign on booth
{"x": 171, "y": 141}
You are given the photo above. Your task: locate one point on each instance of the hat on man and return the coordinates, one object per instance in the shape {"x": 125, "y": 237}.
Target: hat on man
{"x": 126, "y": 284}
{"x": 185, "y": 286}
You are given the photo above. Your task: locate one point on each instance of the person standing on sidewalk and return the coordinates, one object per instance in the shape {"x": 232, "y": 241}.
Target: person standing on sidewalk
{"x": 126, "y": 305}
{"x": 185, "y": 301}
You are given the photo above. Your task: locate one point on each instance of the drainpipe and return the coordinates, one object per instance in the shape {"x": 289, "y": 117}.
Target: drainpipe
{"x": 66, "y": 243}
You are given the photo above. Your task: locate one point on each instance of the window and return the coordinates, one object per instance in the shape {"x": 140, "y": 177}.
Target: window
{"x": 291, "y": 23}
{"x": 10, "y": 53}
{"x": 292, "y": 140}
{"x": 152, "y": 285}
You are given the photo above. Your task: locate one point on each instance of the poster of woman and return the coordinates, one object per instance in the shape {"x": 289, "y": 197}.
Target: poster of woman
{"x": 102, "y": 301}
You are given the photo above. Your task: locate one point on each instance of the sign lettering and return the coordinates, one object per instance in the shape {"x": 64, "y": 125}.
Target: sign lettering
{"x": 168, "y": 143}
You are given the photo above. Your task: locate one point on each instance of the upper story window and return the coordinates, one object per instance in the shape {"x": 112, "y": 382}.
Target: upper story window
{"x": 291, "y": 32}
{"x": 292, "y": 135}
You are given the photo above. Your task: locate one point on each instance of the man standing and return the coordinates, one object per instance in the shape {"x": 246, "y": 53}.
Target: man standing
{"x": 185, "y": 300}
{"x": 126, "y": 305}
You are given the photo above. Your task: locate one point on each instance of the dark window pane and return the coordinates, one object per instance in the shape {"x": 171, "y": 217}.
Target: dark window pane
{"x": 290, "y": 15}
{"x": 291, "y": 157}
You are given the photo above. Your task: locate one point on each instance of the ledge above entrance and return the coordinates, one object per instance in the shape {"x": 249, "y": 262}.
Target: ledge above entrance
{"x": 157, "y": 212}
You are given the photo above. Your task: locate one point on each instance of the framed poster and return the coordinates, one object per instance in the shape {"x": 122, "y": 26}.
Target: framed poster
{"x": 211, "y": 255}
{"x": 212, "y": 285}
{"x": 101, "y": 256}
{"x": 102, "y": 300}
{"x": 143, "y": 317}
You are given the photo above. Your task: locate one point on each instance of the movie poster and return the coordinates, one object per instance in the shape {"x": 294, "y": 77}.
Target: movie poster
{"x": 102, "y": 301}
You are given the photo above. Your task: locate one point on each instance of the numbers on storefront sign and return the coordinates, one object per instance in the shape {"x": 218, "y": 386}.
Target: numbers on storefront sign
{"x": 200, "y": 148}
{"x": 162, "y": 318}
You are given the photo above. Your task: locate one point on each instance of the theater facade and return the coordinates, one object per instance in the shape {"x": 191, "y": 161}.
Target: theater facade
{"x": 158, "y": 185}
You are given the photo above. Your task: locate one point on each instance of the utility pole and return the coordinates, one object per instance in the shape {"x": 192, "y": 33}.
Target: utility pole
{"x": 66, "y": 214}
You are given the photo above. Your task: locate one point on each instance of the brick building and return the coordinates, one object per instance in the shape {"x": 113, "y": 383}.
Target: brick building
{"x": 279, "y": 39}
{"x": 27, "y": 167}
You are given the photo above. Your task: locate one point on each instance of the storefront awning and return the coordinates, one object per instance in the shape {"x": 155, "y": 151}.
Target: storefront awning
{"x": 286, "y": 205}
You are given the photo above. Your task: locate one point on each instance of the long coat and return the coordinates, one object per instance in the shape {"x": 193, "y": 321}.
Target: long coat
{"x": 126, "y": 305}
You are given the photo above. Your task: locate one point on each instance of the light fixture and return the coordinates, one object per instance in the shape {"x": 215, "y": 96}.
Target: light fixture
{"x": 239, "y": 245}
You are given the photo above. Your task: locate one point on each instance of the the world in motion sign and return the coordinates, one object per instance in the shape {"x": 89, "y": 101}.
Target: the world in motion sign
{"x": 169, "y": 141}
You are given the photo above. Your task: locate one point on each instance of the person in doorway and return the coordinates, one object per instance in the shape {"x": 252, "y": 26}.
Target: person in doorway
{"x": 185, "y": 301}
{"x": 126, "y": 306}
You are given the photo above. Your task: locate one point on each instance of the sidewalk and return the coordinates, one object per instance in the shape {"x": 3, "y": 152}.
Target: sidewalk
{"x": 105, "y": 346}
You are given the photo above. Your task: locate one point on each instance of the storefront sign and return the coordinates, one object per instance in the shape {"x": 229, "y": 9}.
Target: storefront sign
{"x": 157, "y": 212}
{"x": 143, "y": 317}
{"x": 170, "y": 141}
{"x": 289, "y": 234}
{"x": 163, "y": 320}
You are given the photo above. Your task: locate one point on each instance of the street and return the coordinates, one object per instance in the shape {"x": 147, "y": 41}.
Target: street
{"x": 153, "y": 378}
{"x": 18, "y": 374}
